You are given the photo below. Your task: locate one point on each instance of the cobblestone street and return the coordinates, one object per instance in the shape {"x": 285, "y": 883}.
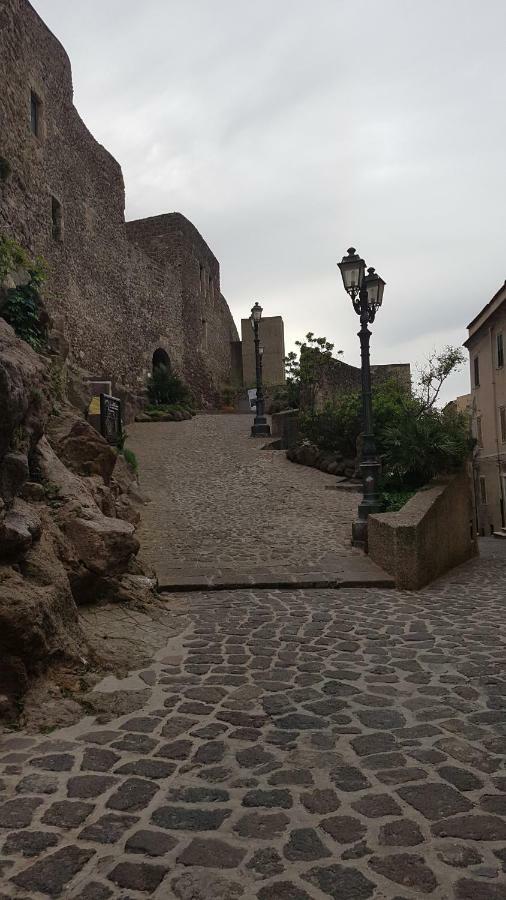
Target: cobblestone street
{"x": 288, "y": 744}
{"x": 218, "y": 500}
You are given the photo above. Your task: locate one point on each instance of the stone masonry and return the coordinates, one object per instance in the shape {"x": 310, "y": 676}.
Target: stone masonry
{"x": 289, "y": 745}
{"x": 120, "y": 290}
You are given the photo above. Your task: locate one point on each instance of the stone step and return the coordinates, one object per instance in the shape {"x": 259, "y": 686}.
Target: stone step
{"x": 500, "y": 534}
{"x": 355, "y": 572}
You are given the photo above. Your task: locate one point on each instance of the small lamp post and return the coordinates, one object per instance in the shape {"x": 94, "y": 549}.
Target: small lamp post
{"x": 260, "y": 427}
{"x": 366, "y": 292}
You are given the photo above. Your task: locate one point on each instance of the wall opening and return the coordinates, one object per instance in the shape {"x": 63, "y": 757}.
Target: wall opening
{"x": 56, "y": 219}
{"x": 35, "y": 114}
{"x": 161, "y": 358}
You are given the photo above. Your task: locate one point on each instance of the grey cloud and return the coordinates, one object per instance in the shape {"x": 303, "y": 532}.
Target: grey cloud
{"x": 289, "y": 130}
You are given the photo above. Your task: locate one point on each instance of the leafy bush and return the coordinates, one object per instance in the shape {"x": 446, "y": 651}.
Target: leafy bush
{"x": 421, "y": 444}
{"x": 306, "y": 371}
{"x": 393, "y": 501}
{"x": 415, "y": 439}
{"x": 12, "y": 257}
{"x": 22, "y": 308}
{"x": 228, "y": 395}
{"x": 166, "y": 388}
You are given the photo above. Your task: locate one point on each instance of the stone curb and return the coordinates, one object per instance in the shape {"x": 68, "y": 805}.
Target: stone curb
{"x": 182, "y": 584}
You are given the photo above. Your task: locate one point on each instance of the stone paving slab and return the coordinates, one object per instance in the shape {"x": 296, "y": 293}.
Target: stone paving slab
{"x": 358, "y": 572}
{"x": 292, "y": 744}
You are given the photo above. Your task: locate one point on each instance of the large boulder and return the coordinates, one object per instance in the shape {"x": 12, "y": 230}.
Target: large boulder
{"x": 14, "y": 472}
{"x": 80, "y": 446}
{"x": 104, "y": 545}
{"x": 38, "y": 616}
{"x": 19, "y": 528}
{"x": 97, "y": 545}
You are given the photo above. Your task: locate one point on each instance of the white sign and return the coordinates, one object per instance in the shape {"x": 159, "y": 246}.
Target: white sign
{"x": 252, "y": 397}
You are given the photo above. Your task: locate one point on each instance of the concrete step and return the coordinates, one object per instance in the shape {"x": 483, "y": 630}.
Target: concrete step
{"x": 500, "y": 534}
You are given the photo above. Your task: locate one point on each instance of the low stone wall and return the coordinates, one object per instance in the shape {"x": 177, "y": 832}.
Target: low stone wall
{"x": 285, "y": 427}
{"x": 432, "y": 533}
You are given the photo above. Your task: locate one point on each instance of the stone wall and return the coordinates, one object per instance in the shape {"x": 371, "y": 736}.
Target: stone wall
{"x": 120, "y": 292}
{"x": 341, "y": 378}
{"x": 432, "y": 533}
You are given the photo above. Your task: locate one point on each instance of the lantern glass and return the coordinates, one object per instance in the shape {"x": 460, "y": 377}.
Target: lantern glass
{"x": 256, "y": 313}
{"x": 375, "y": 287}
{"x": 352, "y": 270}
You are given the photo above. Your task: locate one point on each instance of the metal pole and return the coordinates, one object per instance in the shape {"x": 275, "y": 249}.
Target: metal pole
{"x": 369, "y": 464}
{"x": 260, "y": 428}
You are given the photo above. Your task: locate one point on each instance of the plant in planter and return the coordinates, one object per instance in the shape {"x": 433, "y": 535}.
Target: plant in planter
{"x": 416, "y": 439}
{"x": 227, "y": 397}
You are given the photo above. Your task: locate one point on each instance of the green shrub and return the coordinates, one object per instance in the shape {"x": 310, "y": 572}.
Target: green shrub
{"x": 12, "y": 256}
{"x": 22, "y": 308}
{"x": 415, "y": 441}
{"x": 166, "y": 388}
{"x": 228, "y": 395}
{"x": 393, "y": 501}
{"x": 130, "y": 458}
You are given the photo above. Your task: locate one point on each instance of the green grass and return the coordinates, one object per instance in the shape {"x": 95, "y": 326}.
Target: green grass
{"x": 130, "y": 458}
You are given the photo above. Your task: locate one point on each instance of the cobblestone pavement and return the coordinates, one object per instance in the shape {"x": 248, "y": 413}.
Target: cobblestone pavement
{"x": 218, "y": 500}
{"x": 291, "y": 745}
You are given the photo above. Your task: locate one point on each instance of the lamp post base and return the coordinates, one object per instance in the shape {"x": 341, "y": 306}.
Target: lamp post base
{"x": 359, "y": 534}
{"x": 359, "y": 528}
{"x": 261, "y": 427}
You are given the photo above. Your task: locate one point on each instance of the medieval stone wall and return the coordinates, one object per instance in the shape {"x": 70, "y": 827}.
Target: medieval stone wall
{"x": 207, "y": 325}
{"x": 338, "y": 378}
{"x": 118, "y": 299}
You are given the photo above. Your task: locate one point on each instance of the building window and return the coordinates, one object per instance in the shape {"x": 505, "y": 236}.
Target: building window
{"x": 35, "y": 114}
{"x": 483, "y": 490}
{"x": 56, "y": 219}
{"x": 500, "y": 351}
{"x": 502, "y": 417}
{"x": 479, "y": 433}
{"x": 476, "y": 372}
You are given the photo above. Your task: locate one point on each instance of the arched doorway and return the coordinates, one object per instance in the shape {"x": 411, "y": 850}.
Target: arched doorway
{"x": 161, "y": 358}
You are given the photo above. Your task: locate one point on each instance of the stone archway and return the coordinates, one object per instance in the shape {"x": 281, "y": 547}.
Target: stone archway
{"x": 161, "y": 358}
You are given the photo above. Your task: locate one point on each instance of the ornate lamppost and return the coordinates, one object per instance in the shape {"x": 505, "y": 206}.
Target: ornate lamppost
{"x": 260, "y": 427}
{"x": 366, "y": 292}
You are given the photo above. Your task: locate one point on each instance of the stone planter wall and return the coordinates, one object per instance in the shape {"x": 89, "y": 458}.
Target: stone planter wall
{"x": 285, "y": 427}
{"x": 432, "y": 533}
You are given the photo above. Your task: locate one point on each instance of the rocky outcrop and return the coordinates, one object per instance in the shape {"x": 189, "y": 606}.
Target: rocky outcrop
{"x": 81, "y": 447}
{"x": 24, "y": 395}
{"x": 334, "y": 463}
{"x": 68, "y": 513}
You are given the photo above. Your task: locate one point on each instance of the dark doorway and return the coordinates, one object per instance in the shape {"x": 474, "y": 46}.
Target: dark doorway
{"x": 161, "y": 358}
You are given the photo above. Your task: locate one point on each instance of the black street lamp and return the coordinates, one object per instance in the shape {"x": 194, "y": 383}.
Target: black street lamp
{"x": 260, "y": 427}
{"x": 366, "y": 292}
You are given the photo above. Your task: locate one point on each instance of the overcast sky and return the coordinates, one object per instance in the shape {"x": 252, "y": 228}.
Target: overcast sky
{"x": 288, "y": 130}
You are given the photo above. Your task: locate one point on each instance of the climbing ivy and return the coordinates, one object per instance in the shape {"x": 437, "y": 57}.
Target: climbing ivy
{"x": 21, "y": 308}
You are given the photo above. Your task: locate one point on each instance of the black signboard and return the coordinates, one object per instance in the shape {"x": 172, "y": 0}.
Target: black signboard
{"x": 110, "y": 418}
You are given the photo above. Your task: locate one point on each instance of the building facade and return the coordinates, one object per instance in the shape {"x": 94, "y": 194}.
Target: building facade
{"x": 272, "y": 339}
{"x": 121, "y": 292}
{"x": 486, "y": 344}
